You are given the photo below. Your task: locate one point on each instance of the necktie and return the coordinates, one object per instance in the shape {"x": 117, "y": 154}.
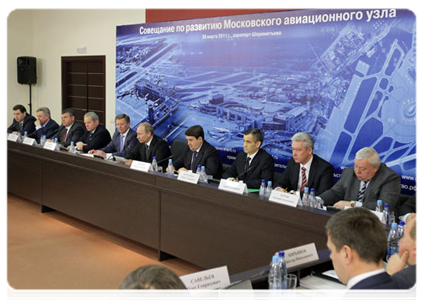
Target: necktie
{"x": 121, "y": 143}
{"x": 91, "y": 135}
{"x": 247, "y": 164}
{"x": 303, "y": 179}
{"x": 362, "y": 190}
{"x": 147, "y": 150}
{"x": 194, "y": 160}
{"x": 21, "y": 125}
{"x": 65, "y": 135}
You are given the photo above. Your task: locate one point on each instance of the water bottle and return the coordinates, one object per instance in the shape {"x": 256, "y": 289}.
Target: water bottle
{"x": 386, "y": 214}
{"x": 304, "y": 200}
{"x": 393, "y": 241}
{"x": 25, "y": 134}
{"x": 42, "y": 140}
{"x": 57, "y": 148}
{"x": 275, "y": 276}
{"x": 312, "y": 199}
{"x": 198, "y": 169}
{"x": 379, "y": 206}
{"x": 203, "y": 175}
{"x": 72, "y": 148}
{"x": 392, "y": 217}
{"x": 401, "y": 229}
{"x": 170, "y": 167}
{"x": 154, "y": 165}
{"x": 268, "y": 190}
{"x": 262, "y": 190}
{"x": 284, "y": 270}
{"x": 19, "y": 140}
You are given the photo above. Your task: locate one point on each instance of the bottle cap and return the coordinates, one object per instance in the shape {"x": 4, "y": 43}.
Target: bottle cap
{"x": 379, "y": 202}
{"x": 275, "y": 259}
{"x": 306, "y": 189}
{"x": 263, "y": 181}
{"x": 312, "y": 190}
{"x": 154, "y": 157}
{"x": 269, "y": 183}
{"x": 386, "y": 205}
{"x": 281, "y": 253}
{"x": 203, "y": 167}
{"x": 401, "y": 223}
{"x": 170, "y": 160}
{"x": 394, "y": 225}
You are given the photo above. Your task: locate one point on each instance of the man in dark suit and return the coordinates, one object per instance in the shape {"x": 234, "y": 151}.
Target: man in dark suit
{"x": 96, "y": 136}
{"x": 149, "y": 146}
{"x": 402, "y": 266}
{"x": 22, "y": 121}
{"x": 357, "y": 242}
{"x": 365, "y": 183}
{"x": 305, "y": 169}
{"x": 199, "y": 152}
{"x": 252, "y": 165}
{"x": 44, "y": 125}
{"x": 123, "y": 140}
{"x": 69, "y": 131}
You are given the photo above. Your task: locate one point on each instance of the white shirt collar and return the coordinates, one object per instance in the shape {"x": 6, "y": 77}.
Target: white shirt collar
{"x": 356, "y": 279}
{"x": 308, "y": 164}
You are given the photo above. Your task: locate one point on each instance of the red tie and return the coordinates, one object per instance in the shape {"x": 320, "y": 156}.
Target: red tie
{"x": 64, "y": 135}
{"x": 304, "y": 179}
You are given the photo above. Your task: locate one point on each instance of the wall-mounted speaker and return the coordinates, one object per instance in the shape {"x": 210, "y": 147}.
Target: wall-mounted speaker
{"x": 27, "y": 70}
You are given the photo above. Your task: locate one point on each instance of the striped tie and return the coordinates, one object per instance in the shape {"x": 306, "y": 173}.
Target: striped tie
{"x": 362, "y": 190}
{"x": 303, "y": 178}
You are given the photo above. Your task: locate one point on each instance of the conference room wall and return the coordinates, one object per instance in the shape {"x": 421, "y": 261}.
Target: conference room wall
{"x": 51, "y": 34}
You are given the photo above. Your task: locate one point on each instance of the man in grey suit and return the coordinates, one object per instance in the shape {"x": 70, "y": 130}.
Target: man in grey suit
{"x": 402, "y": 266}
{"x": 365, "y": 183}
{"x": 123, "y": 140}
{"x": 69, "y": 131}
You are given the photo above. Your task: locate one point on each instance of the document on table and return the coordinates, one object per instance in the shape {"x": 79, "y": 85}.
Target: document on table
{"x": 318, "y": 283}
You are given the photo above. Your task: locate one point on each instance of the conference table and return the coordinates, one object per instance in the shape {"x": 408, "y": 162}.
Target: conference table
{"x": 198, "y": 223}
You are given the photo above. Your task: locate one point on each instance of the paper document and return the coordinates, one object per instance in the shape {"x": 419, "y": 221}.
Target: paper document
{"x": 318, "y": 283}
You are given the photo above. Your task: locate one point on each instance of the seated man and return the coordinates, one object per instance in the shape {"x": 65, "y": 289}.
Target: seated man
{"x": 357, "y": 242}
{"x": 22, "y": 121}
{"x": 305, "y": 169}
{"x": 123, "y": 140}
{"x": 69, "y": 131}
{"x": 44, "y": 125}
{"x": 152, "y": 277}
{"x": 365, "y": 183}
{"x": 149, "y": 146}
{"x": 199, "y": 152}
{"x": 96, "y": 136}
{"x": 252, "y": 165}
{"x": 402, "y": 266}
{"x": 407, "y": 208}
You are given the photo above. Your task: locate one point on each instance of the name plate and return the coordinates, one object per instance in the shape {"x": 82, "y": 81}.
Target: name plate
{"x": 50, "y": 146}
{"x": 301, "y": 255}
{"x": 12, "y": 137}
{"x": 207, "y": 280}
{"x": 140, "y": 166}
{"x": 233, "y": 186}
{"x": 28, "y": 141}
{"x": 188, "y": 177}
{"x": 284, "y": 198}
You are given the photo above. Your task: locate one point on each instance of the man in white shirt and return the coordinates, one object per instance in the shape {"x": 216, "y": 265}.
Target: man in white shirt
{"x": 357, "y": 241}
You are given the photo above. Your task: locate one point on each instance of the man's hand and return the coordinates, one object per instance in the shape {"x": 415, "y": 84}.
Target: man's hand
{"x": 279, "y": 189}
{"x": 182, "y": 170}
{"x": 341, "y": 204}
{"x": 128, "y": 162}
{"x": 80, "y": 146}
{"x": 396, "y": 263}
{"x": 37, "y": 123}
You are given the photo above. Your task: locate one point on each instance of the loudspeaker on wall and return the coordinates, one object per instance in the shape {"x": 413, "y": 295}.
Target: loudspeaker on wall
{"x": 27, "y": 70}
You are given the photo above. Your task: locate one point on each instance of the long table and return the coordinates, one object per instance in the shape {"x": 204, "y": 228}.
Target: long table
{"x": 198, "y": 223}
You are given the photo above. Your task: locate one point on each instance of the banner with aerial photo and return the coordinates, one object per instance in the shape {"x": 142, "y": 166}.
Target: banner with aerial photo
{"x": 348, "y": 77}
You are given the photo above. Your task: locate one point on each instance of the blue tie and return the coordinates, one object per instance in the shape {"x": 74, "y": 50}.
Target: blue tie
{"x": 194, "y": 160}
{"x": 121, "y": 143}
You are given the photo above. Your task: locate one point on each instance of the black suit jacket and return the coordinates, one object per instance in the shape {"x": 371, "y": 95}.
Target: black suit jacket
{"x": 158, "y": 148}
{"x": 320, "y": 176}
{"x": 74, "y": 135}
{"x": 99, "y": 139}
{"x": 383, "y": 287}
{"x": 207, "y": 156}
{"x": 28, "y": 125}
{"x": 409, "y": 206}
{"x": 261, "y": 167}
{"x": 406, "y": 277}
{"x": 49, "y": 130}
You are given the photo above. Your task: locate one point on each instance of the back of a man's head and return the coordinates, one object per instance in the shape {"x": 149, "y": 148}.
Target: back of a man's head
{"x": 361, "y": 230}
{"x": 152, "y": 277}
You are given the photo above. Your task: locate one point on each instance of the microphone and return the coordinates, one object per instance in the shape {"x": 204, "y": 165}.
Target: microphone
{"x": 162, "y": 160}
{"x": 246, "y": 171}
